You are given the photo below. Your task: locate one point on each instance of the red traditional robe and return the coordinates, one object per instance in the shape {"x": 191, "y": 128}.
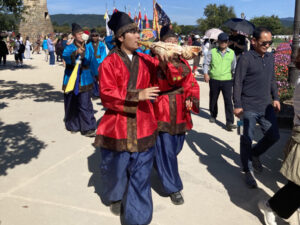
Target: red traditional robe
{"x": 177, "y": 85}
{"x": 128, "y": 124}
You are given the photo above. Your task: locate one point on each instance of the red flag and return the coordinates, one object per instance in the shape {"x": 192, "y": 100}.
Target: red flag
{"x": 129, "y": 14}
{"x": 147, "y": 22}
{"x": 135, "y": 18}
{"x": 115, "y": 10}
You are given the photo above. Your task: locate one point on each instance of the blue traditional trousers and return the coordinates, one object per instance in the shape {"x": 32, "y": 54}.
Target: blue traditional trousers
{"x": 79, "y": 112}
{"x": 126, "y": 177}
{"x": 167, "y": 148}
{"x": 96, "y": 88}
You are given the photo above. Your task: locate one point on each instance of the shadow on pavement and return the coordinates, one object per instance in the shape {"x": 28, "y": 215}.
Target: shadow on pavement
{"x": 3, "y": 105}
{"x": 17, "y": 145}
{"x": 11, "y": 65}
{"x": 214, "y": 154}
{"x": 42, "y": 92}
{"x": 96, "y": 179}
{"x": 204, "y": 113}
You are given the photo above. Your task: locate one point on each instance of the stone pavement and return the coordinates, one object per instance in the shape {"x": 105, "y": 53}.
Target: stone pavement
{"x": 49, "y": 176}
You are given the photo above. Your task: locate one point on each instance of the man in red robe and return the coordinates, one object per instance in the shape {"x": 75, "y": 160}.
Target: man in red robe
{"x": 172, "y": 109}
{"x": 127, "y": 131}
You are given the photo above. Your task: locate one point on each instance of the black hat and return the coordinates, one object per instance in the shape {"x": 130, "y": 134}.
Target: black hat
{"x": 120, "y": 22}
{"x": 223, "y": 37}
{"x": 166, "y": 32}
{"x": 76, "y": 28}
{"x": 93, "y": 31}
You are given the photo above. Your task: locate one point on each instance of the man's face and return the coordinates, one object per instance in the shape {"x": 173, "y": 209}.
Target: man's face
{"x": 172, "y": 40}
{"x": 263, "y": 43}
{"x": 223, "y": 44}
{"x": 95, "y": 37}
{"x": 130, "y": 40}
{"x": 234, "y": 32}
{"x": 78, "y": 36}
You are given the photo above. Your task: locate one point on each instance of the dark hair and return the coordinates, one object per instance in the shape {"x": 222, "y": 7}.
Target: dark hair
{"x": 118, "y": 43}
{"x": 258, "y": 31}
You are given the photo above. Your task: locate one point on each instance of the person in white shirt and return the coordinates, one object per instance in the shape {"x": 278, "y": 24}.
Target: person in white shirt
{"x": 27, "y": 48}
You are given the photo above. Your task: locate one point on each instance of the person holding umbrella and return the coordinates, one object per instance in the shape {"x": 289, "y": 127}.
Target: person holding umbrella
{"x": 237, "y": 43}
{"x": 222, "y": 62}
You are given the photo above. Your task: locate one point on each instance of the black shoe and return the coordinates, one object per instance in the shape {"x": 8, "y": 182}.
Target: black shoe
{"x": 256, "y": 164}
{"x": 250, "y": 180}
{"x": 90, "y": 133}
{"x": 212, "y": 119}
{"x": 177, "y": 198}
{"x": 230, "y": 126}
{"x": 115, "y": 208}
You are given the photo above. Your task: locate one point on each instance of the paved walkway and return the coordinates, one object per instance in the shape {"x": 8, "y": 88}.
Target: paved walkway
{"x": 49, "y": 176}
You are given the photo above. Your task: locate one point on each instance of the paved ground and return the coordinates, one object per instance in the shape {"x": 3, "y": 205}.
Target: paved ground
{"x": 49, "y": 176}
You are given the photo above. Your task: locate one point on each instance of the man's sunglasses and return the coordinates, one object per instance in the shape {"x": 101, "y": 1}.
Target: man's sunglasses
{"x": 95, "y": 35}
{"x": 265, "y": 43}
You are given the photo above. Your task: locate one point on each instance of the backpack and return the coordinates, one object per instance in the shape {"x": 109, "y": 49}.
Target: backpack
{"x": 22, "y": 48}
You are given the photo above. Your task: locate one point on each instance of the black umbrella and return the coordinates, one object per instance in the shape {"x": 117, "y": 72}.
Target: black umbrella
{"x": 240, "y": 25}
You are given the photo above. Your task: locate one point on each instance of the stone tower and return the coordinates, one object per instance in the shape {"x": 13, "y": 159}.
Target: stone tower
{"x": 36, "y": 20}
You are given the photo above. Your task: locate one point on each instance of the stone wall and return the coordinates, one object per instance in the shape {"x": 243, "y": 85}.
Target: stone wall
{"x": 36, "y": 20}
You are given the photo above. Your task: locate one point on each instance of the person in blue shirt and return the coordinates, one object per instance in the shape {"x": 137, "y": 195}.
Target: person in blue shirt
{"x": 97, "y": 47}
{"x": 79, "y": 112}
{"x": 45, "y": 48}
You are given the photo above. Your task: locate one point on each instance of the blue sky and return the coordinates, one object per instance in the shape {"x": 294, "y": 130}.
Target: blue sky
{"x": 181, "y": 11}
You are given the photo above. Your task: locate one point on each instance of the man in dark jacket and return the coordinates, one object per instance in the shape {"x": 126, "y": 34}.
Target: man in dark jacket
{"x": 255, "y": 97}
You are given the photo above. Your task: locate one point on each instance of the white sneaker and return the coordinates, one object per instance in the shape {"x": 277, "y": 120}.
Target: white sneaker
{"x": 269, "y": 216}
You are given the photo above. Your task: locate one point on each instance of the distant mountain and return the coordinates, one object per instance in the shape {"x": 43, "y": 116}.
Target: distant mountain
{"x": 97, "y": 20}
{"x": 287, "y": 22}
{"x": 84, "y": 20}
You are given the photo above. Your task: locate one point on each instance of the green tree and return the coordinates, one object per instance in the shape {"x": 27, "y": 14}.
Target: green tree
{"x": 176, "y": 28}
{"x": 188, "y": 29}
{"x": 215, "y": 16}
{"x": 10, "y": 13}
{"x": 272, "y": 23}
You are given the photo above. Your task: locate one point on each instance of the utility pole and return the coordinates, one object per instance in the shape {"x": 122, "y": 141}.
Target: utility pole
{"x": 293, "y": 72}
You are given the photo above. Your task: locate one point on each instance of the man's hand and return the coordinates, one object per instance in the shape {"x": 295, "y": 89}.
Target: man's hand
{"x": 80, "y": 50}
{"x": 148, "y": 93}
{"x": 189, "y": 104}
{"x": 276, "y": 105}
{"x": 206, "y": 78}
{"x": 238, "y": 112}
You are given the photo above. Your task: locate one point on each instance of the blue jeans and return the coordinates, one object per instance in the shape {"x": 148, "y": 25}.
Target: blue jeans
{"x": 268, "y": 124}
{"x": 52, "y": 58}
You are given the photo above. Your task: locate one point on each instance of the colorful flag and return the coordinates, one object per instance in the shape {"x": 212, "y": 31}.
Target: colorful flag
{"x": 115, "y": 10}
{"x": 73, "y": 82}
{"x": 163, "y": 18}
{"x": 108, "y": 31}
{"x": 140, "y": 21}
{"x": 146, "y": 21}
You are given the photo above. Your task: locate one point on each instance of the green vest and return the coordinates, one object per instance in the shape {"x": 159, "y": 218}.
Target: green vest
{"x": 220, "y": 67}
